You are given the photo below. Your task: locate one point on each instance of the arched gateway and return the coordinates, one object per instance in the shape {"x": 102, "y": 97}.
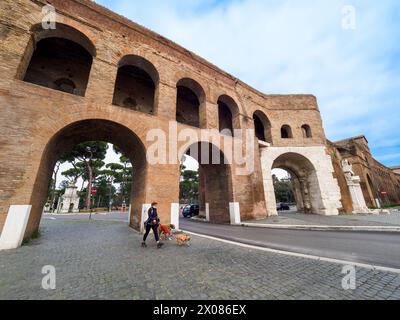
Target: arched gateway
{"x": 115, "y": 81}
{"x": 311, "y": 171}
{"x": 82, "y": 131}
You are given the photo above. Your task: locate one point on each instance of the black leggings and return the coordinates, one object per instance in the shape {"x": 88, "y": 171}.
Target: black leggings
{"x": 155, "y": 231}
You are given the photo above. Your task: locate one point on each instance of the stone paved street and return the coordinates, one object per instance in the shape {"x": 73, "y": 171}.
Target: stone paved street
{"x": 104, "y": 260}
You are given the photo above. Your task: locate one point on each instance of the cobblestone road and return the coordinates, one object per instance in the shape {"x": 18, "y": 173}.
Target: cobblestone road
{"x": 104, "y": 260}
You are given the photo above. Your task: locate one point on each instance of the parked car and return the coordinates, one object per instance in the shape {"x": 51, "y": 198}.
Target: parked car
{"x": 190, "y": 211}
{"x": 282, "y": 206}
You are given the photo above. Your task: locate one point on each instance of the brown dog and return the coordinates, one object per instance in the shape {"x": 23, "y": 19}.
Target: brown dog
{"x": 182, "y": 239}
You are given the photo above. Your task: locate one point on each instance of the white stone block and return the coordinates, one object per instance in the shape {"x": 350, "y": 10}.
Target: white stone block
{"x": 129, "y": 214}
{"x": 175, "y": 215}
{"x": 207, "y": 212}
{"x": 15, "y": 227}
{"x": 234, "y": 211}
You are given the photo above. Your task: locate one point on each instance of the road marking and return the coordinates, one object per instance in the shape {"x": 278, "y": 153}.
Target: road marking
{"x": 323, "y": 227}
{"x": 300, "y": 255}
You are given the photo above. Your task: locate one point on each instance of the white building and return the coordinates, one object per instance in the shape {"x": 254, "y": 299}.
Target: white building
{"x": 69, "y": 202}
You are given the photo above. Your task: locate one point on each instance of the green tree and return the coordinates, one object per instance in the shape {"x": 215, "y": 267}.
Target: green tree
{"x": 105, "y": 189}
{"x": 73, "y": 174}
{"x": 189, "y": 186}
{"x": 106, "y": 180}
{"x": 90, "y": 156}
{"x": 125, "y": 176}
{"x": 53, "y": 184}
{"x": 283, "y": 190}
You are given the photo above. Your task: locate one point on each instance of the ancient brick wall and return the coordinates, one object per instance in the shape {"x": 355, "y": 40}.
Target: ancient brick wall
{"x": 347, "y": 203}
{"x": 36, "y": 120}
{"x": 377, "y": 181}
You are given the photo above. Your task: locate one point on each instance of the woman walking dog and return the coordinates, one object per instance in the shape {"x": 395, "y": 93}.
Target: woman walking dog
{"x": 152, "y": 223}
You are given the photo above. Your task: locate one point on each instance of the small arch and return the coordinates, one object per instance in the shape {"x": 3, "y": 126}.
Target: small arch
{"x": 306, "y": 129}
{"x": 286, "y": 132}
{"x": 57, "y": 58}
{"x": 141, "y": 63}
{"x": 262, "y": 126}
{"x": 228, "y": 114}
{"x": 190, "y": 98}
{"x": 136, "y": 84}
{"x": 305, "y": 181}
{"x": 66, "y": 32}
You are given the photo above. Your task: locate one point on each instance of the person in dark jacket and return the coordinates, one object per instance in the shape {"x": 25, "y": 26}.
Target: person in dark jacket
{"x": 152, "y": 224}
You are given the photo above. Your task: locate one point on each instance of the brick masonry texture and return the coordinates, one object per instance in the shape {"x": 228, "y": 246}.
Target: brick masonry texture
{"x": 104, "y": 260}
{"x": 377, "y": 181}
{"x": 39, "y": 123}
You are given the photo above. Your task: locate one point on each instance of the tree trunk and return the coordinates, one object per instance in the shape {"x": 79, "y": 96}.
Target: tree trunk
{"x": 54, "y": 186}
{"x": 89, "y": 187}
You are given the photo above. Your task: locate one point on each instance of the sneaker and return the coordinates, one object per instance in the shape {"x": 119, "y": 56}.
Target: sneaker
{"x": 159, "y": 245}
{"x": 144, "y": 245}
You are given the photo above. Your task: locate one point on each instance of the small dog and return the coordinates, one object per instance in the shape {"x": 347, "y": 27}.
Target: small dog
{"x": 165, "y": 231}
{"x": 182, "y": 239}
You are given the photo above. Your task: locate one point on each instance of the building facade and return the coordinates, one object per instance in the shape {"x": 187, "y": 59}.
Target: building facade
{"x": 380, "y": 185}
{"x": 99, "y": 76}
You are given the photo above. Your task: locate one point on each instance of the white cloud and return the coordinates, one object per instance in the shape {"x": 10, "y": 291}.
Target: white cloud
{"x": 296, "y": 47}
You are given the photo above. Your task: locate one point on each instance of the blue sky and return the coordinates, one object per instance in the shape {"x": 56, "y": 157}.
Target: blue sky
{"x": 298, "y": 46}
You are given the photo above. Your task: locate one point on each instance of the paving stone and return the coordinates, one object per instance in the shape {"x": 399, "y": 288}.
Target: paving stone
{"x": 104, "y": 260}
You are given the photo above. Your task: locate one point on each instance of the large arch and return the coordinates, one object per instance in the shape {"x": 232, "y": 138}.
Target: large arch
{"x": 59, "y": 59}
{"x": 262, "y": 126}
{"x": 191, "y": 98}
{"x": 82, "y": 131}
{"x": 215, "y": 181}
{"x": 136, "y": 85}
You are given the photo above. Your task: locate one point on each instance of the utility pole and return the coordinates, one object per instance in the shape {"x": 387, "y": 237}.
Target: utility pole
{"x": 110, "y": 194}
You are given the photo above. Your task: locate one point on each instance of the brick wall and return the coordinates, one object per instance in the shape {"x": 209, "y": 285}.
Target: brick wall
{"x": 36, "y": 121}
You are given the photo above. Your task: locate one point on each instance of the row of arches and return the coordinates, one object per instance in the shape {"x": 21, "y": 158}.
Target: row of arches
{"x": 287, "y": 133}
{"x": 215, "y": 178}
{"x": 216, "y": 185}
{"x": 62, "y": 59}
{"x": 262, "y": 128}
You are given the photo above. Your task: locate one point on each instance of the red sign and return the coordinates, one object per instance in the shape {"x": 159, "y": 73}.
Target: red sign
{"x": 94, "y": 191}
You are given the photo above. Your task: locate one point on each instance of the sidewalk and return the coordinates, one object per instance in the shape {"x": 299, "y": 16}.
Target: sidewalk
{"x": 360, "y": 222}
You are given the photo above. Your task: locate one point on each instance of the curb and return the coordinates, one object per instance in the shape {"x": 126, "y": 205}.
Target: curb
{"x": 323, "y": 228}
